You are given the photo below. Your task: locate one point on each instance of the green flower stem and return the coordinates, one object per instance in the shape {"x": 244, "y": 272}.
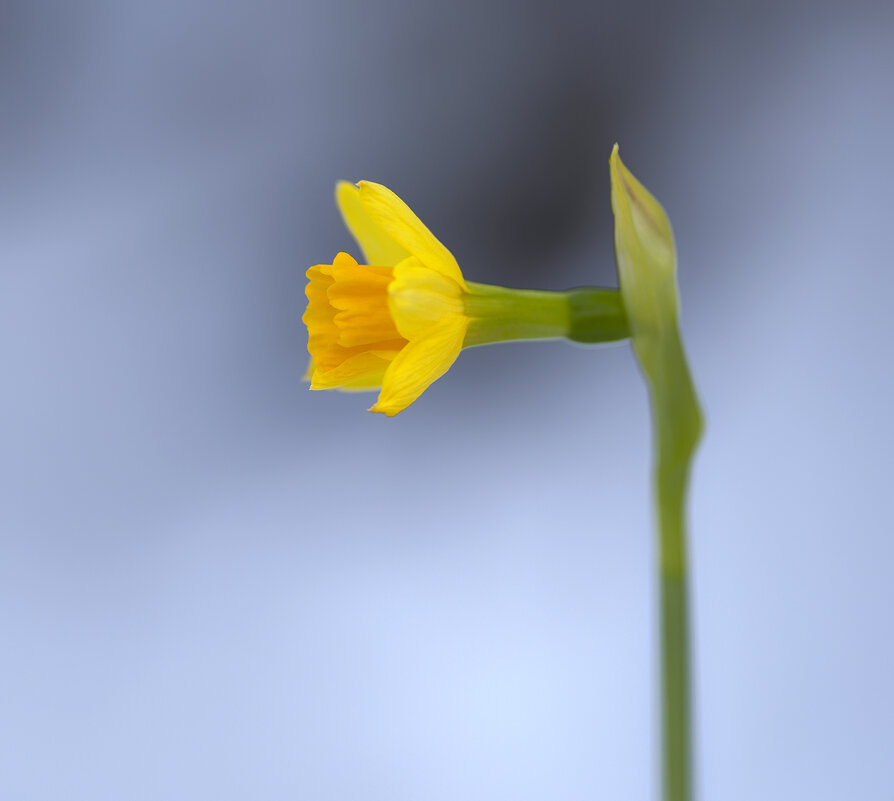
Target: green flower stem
{"x": 647, "y": 272}
{"x": 677, "y": 422}
{"x": 597, "y": 315}
{"x": 587, "y": 314}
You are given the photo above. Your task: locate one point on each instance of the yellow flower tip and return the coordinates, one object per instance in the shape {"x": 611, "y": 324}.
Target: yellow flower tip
{"x": 377, "y": 408}
{"x": 377, "y": 246}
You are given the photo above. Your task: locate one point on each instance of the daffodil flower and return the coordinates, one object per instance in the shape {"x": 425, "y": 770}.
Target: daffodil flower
{"x": 399, "y": 321}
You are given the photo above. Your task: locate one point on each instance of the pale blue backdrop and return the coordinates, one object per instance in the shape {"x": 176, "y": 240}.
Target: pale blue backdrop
{"x": 217, "y": 585}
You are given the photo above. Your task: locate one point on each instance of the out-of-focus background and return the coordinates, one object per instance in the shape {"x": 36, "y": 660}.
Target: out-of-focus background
{"x": 216, "y": 584}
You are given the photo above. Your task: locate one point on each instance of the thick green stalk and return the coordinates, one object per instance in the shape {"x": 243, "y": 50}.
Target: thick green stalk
{"x": 647, "y": 267}
{"x": 677, "y": 422}
{"x": 676, "y": 734}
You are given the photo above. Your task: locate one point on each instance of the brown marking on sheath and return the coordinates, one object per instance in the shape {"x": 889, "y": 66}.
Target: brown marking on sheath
{"x": 633, "y": 196}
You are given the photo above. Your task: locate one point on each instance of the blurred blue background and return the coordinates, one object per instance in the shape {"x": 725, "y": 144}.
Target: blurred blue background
{"x": 216, "y": 584}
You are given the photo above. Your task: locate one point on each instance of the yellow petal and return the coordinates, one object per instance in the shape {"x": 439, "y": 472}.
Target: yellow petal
{"x": 370, "y": 383}
{"x": 419, "y": 297}
{"x": 378, "y": 248}
{"x": 395, "y": 218}
{"x": 363, "y": 370}
{"x": 419, "y": 364}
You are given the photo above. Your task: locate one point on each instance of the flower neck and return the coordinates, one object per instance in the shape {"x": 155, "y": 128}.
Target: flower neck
{"x": 587, "y": 314}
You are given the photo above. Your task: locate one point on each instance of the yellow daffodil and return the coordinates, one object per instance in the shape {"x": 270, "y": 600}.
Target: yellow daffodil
{"x": 399, "y": 321}
{"x": 398, "y": 324}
